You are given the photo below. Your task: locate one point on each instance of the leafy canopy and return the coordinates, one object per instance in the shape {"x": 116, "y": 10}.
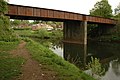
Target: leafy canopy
{"x": 5, "y": 31}
{"x": 102, "y": 9}
{"x": 117, "y": 12}
{"x": 3, "y": 7}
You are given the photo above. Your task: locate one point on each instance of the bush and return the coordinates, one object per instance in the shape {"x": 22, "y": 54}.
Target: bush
{"x": 95, "y": 67}
{"x": 6, "y": 34}
{"x": 57, "y": 34}
{"x": 42, "y": 33}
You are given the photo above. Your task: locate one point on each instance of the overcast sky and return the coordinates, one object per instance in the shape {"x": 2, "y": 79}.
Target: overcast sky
{"x": 78, "y": 6}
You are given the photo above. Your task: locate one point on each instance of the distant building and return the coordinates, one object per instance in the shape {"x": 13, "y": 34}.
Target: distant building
{"x": 23, "y": 26}
{"x": 40, "y": 25}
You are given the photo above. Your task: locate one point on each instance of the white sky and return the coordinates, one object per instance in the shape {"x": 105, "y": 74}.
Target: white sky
{"x": 78, "y": 6}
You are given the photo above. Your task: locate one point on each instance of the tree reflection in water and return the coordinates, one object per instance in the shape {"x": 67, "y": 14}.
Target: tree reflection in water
{"x": 108, "y": 53}
{"x": 113, "y": 72}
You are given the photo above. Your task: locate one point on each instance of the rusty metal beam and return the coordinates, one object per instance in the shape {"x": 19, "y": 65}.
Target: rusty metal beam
{"x": 27, "y": 12}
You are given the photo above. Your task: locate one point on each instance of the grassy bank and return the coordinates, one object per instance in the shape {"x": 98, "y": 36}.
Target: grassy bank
{"x": 42, "y": 33}
{"x": 9, "y": 65}
{"x": 65, "y": 70}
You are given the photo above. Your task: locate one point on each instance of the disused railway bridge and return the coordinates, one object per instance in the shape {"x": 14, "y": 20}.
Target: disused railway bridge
{"x": 75, "y": 24}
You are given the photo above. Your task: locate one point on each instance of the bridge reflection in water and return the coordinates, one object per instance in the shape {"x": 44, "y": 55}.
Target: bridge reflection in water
{"x": 76, "y": 54}
{"x": 109, "y": 55}
{"x": 80, "y": 55}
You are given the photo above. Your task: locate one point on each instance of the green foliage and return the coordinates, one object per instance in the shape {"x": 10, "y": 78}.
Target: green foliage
{"x": 6, "y": 34}
{"x": 42, "y": 33}
{"x": 7, "y": 46}
{"x": 117, "y": 10}
{"x": 19, "y": 24}
{"x": 29, "y": 33}
{"x": 36, "y": 22}
{"x": 116, "y": 35}
{"x": 92, "y": 30}
{"x": 102, "y": 9}
{"x": 65, "y": 70}
{"x": 3, "y": 7}
{"x": 86, "y": 77}
{"x": 96, "y": 67}
{"x": 9, "y": 65}
{"x": 117, "y": 17}
{"x": 118, "y": 28}
{"x": 58, "y": 34}
{"x": 15, "y": 23}
{"x": 4, "y": 23}
{"x": 24, "y": 32}
{"x": 46, "y": 43}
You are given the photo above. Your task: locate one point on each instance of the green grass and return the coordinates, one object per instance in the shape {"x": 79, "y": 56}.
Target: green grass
{"x": 24, "y": 33}
{"x": 9, "y": 65}
{"x": 29, "y": 33}
{"x": 7, "y": 46}
{"x": 42, "y": 33}
{"x": 65, "y": 70}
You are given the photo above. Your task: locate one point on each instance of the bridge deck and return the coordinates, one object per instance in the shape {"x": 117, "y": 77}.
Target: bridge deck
{"x": 27, "y": 12}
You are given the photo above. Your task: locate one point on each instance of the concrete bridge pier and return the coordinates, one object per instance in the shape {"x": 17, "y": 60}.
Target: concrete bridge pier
{"x": 75, "y": 32}
{"x": 75, "y": 40}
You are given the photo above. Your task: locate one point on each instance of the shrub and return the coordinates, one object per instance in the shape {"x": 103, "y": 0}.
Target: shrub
{"x": 6, "y": 34}
{"x": 42, "y": 33}
{"x": 57, "y": 34}
{"x": 95, "y": 67}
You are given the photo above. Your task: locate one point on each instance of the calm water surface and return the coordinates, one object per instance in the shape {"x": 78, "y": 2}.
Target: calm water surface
{"x": 80, "y": 55}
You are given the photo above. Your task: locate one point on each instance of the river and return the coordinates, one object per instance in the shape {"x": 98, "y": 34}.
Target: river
{"x": 80, "y": 55}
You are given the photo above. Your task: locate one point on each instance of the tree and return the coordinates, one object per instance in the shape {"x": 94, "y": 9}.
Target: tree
{"x": 5, "y": 31}
{"x": 117, "y": 17}
{"x": 102, "y": 9}
{"x": 117, "y": 12}
{"x": 3, "y": 7}
{"x": 15, "y": 23}
{"x": 18, "y": 23}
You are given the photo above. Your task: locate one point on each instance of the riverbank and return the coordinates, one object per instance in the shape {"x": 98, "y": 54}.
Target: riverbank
{"x": 51, "y": 65}
{"x": 65, "y": 70}
{"x": 41, "y": 34}
{"x": 39, "y": 61}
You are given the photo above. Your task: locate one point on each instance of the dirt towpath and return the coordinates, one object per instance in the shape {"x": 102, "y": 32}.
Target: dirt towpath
{"x": 31, "y": 69}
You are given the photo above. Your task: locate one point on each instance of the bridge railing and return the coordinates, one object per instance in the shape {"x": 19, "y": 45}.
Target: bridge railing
{"x": 100, "y": 20}
{"x": 18, "y": 10}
